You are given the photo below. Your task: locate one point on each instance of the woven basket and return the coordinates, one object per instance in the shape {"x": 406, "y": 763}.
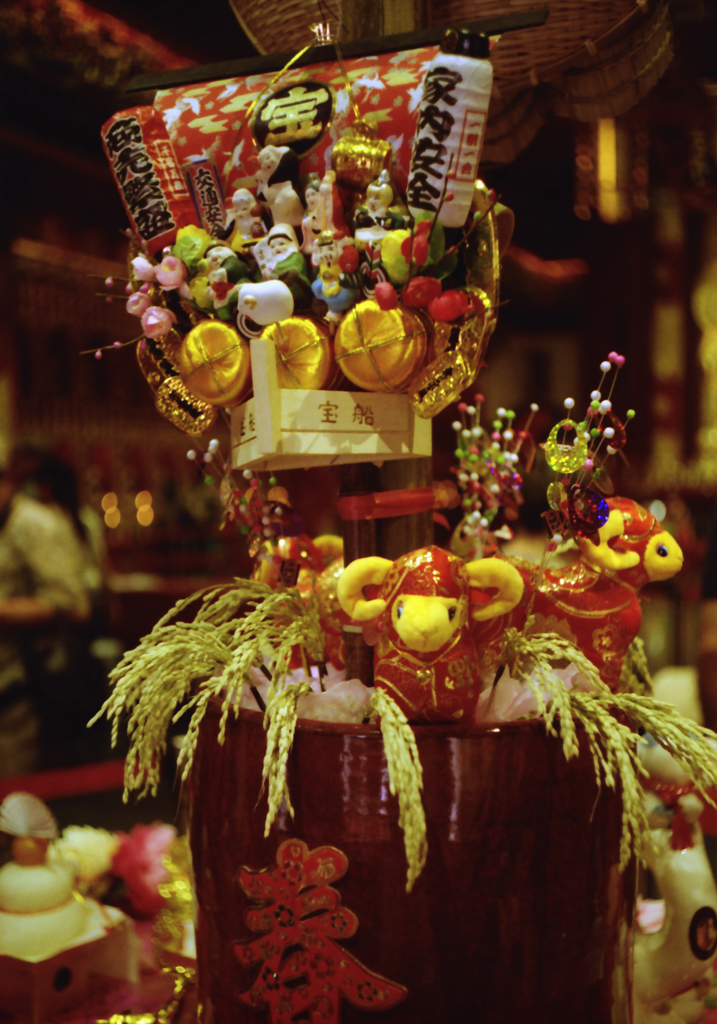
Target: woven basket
{"x": 592, "y": 58}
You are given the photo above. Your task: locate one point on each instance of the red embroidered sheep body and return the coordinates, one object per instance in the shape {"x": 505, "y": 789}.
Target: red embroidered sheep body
{"x": 425, "y": 656}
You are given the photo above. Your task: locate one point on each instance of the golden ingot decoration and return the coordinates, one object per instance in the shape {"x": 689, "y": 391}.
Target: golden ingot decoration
{"x": 358, "y": 159}
{"x": 180, "y": 407}
{"x": 303, "y": 353}
{"x": 155, "y": 357}
{"x": 380, "y": 350}
{"x": 458, "y": 350}
{"x": 215, "y": 363}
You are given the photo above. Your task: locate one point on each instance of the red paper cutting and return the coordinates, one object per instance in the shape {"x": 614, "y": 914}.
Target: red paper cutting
{"x": 301, "y": 913}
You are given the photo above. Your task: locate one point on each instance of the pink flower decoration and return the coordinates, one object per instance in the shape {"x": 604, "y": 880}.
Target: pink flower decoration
{"x": 138, "y": 862}
{"x": 143, "y": 269}
{"x": 138, "y": 303}
{"x": 170, "y": 273}
{"x": 157, "y": 321}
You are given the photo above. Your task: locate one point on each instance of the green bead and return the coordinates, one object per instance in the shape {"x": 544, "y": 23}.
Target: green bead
{"x": 497, "y": 424}
{"x": 630, "y": 414}
{"x": 243, "y": 501}
{"x": 595, "y": 432}
{"x": 209, "y": 480}
{"x": 459, "y": 453}
{"x": 272, "y": 481}
{"x": 595, "y": 405}
{"x": 244, "y": 529}
{"x": 510, "y": 414}
{"x": 472, "y": 458}
{"x": 466, "y": 503}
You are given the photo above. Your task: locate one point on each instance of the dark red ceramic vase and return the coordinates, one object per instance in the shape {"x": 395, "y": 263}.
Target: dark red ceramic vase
{"x": 520, "y": 916}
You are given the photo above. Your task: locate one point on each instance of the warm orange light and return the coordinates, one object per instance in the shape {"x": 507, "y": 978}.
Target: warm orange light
{"x": 608, "y": 200}
{"x": 109, "y": 501}
{"x": 112, "y": 517}
{"x": 143, "y": 498}
{"x": 145, "y": 515}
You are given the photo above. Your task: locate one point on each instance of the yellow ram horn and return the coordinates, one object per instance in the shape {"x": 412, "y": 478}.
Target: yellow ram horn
{"x": 602, "y": 555}
{"x": 359, "y": 574}
{"x": 494, "y": 572}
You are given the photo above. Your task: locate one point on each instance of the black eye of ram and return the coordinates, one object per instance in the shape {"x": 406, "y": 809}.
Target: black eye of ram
{"x": 662, "y": 551}
{"x": 452, "y": 614}
{"x": 399, "y": 609}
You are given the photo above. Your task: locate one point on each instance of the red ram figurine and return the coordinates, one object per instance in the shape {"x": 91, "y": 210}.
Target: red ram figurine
{"x": 593, "y": 602}
{"x": 425, "y": 656}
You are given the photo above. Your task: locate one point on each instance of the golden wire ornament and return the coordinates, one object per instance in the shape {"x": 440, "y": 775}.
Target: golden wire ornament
{"x": 566, "y": 458}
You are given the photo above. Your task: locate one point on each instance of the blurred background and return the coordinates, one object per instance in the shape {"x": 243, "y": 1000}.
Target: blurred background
{"x": 611, "y": 170}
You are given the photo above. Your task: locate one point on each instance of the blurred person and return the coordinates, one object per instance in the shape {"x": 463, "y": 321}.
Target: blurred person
{"x": 65, "y": 664}
{"x": 42, "y": 592}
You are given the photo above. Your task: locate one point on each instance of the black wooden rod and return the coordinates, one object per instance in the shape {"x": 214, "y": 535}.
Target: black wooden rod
{"x": 317, "y": 54}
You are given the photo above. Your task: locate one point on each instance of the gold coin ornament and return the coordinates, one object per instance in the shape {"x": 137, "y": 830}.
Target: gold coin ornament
{"x": 303, "y": 353}
{"x": 457, "y": 350}
{"x": 381, "y": 350}
{"x": 214, "y": 363}
{"x": 566, "y": 458}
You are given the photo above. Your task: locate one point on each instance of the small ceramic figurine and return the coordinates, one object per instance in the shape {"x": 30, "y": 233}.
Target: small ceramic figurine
{"x": 244, "y": 224}
{"x": 225, "y": 272}
{"x": 375, "y": 219}
{"x": 425, "y": 655}
{"x": 262, "y": 303}
{"x": 279, "y": 259}
{"x": 39, "y": 912}
{"x": 277, "y": 184}
{"x": 323, "y": 211}
{"x": 673, "y": 964}
{"x": 332, "y": 285}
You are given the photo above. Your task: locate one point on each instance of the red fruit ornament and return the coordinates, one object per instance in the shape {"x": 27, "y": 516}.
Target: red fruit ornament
{"x": 386, "y": 296}
{"x": 421, "y": 291}
{"x": 349, "y": 260}
{"x": 448, "y": 306}
{"x": 415, "y": 248}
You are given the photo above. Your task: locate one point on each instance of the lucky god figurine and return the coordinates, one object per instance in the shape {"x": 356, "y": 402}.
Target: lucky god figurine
{"x": 673, "y": 965}
{"x": 279, "y": 259}
{"x": 277, "y": 184}
{"x": 594, "y": 602}
{"x": 324, "y": 211}
{"x": 425, "y": 656}
{"x": 376, "y": 218}
{"x": 332, "y": 285}
{"x": 244, "y": 224}
{"x": 225, "y": 272}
